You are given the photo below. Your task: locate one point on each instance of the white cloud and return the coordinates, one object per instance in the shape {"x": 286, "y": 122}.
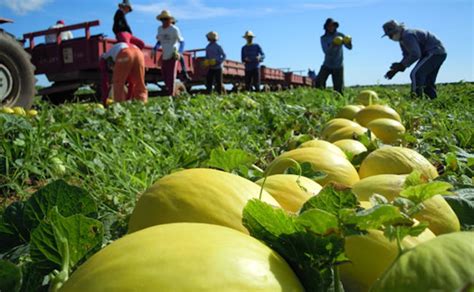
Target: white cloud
{"x": 329, "y": 5}
{"x": 190, "y": 9}
{"x": 24, "y": 6}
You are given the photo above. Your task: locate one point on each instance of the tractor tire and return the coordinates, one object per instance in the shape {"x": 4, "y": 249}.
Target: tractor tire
{"x": 17, "y": 77}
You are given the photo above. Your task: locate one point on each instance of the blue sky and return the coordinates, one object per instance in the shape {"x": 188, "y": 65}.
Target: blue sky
{"x": 288, "y": 31}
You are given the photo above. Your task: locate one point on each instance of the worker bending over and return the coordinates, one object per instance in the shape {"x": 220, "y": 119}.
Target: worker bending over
{"x": 421, "y": 46}
{"x": 128, "y": 65}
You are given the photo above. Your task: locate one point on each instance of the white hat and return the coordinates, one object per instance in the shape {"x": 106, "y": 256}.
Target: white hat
{"x": 248, "y": 34}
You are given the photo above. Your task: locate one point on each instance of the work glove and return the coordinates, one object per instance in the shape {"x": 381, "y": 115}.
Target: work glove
{"x": 176, "y": 56}
{"x": 390, "y": 74}
{"x": 399, "y": 67}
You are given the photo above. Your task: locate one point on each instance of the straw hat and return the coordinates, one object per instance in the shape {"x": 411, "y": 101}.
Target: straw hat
{"x": 165, "y": 14}
{"x": 213, "y": 36}
{"x": 248, "y": 34}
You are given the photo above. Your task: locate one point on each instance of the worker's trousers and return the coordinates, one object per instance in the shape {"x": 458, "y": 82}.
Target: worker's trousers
{"x": 423, "y": 76}
{"x": 252, "y": 78}
{"x": 130, "y": 66}
{"x": 128, "y": 38}
{"x": 337, "y": 78}
{"x": 169, "y": 72}
{"x": 214, "y": 76}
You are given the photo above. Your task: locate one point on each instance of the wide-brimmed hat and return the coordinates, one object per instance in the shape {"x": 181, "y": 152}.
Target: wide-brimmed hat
{"x": 213, "y": 36}
{"x": 248, "y": 34}
{"x": 329, "y": 22}
{"x": 392, "y": 27}
{"x": 165, "y": 14}
{"x": 126, "y": 3}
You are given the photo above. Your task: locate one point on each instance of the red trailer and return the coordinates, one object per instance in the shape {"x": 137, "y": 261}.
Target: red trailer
{"x": 74, "y": 63}
{"x": 293, "y": 80}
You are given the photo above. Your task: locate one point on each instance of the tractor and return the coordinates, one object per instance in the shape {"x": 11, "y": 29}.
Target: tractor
{"x": 17, "y": 74}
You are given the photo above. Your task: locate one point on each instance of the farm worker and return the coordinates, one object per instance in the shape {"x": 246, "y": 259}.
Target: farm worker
{"x": 121, "y": 29}
{"x": 184, "y": 70}
{"x": 252, "y": 56}
{"x": 421, "y": 46}
{"x": 168, "y": 38}
{"x": 65, "y": 35}
{"x": 215, "y": 57}
{"x": 332, "y": 43}
{"x": 128, "y": 66}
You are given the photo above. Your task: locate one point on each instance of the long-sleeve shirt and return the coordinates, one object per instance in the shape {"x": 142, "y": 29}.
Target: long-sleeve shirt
{"x": 120, "y": 23}
{"x": 416, "y": 44}
{"x": 215, "y": 51}
{"x": 334, "y": 56}
{"x": 252, "y": 56}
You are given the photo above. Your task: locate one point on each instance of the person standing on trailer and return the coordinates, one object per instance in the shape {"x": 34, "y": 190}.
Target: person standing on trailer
{"x": 65, "y": 35}
{"x": 215, "y": 57}
{"x": 121, "y": 29}
{"x": 168, "y": 38}
{"x": 128, "y": 65}
{"x": 421, "y": 46}
{"x": 252, "y": 56}
{"x": 332, "y": 43}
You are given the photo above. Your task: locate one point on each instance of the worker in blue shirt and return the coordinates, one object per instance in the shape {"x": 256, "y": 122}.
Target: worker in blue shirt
{"x": 252, "y": 56}
{"x": 421, "y": 46}
{"x": 332, "y": 43}
{"x": 215, "y": 57}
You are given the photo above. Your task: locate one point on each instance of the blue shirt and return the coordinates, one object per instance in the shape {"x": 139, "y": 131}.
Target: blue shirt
{"x": 417, "y": 44}
{"x": 215, "y": 51}
{"x": 333, "y": 54}
{"x": 252, "y": 52}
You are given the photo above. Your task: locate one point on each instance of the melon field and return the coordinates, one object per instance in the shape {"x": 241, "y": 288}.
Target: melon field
{"x": 299, "y": 190}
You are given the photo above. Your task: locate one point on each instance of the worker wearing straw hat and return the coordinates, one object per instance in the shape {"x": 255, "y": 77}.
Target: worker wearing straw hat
{"x": 215, "y": 57}
{"x": 421, "y": 46}
{"x": 121, "y": 29}
{"x": 252, "y": 56}
{"x": 168, "y": 38}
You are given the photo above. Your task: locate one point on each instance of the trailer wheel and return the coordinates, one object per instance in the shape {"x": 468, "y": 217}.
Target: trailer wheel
{"x": 17, "y": 78}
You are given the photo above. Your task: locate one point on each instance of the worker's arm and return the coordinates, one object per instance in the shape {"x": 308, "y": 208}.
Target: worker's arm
{"x": 222, "y": 55}
{"x": 411, "y": 50}
{"x": 349, "y": 45}
{"x": 261, "y": 55}
{"x": 181, "y": 46}
{"x": 324, "y": 45}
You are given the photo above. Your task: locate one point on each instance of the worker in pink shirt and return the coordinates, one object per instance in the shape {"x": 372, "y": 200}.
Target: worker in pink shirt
{"x": 168, "y": 38}
{"x": 128, "y": 65}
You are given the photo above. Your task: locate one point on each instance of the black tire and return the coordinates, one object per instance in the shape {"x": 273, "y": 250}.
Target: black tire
{"x": 17, "y": 86}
